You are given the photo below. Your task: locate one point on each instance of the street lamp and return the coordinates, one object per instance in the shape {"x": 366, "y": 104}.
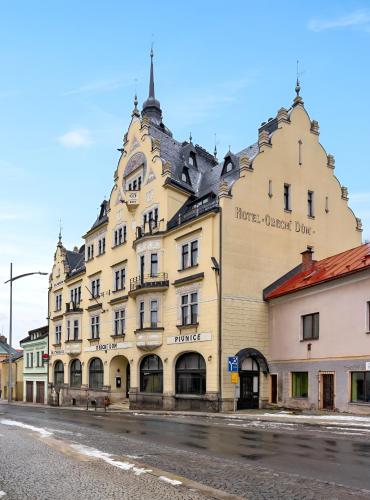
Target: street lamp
{"x": 11, "y": 323}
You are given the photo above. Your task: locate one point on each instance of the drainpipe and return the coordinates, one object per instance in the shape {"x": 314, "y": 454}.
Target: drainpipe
{"x": 220, "y": 317}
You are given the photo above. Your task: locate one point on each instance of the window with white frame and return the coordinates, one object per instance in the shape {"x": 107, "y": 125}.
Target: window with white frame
{"x": 120, "y": 235}
{"x": 75, "y": 329}
{"x": 141, "y": 314}
{"x": 150, "y": 219}
{"x": 95, "y": 326}
{"x": 189, "y": 308}
{"x": 58, "y": 302}
{"x": 153, "y": 265}
{"x": 58, "y": 334}
{"x": 189, "y": 254}
{"x": 119, "y": 278}
{"x": 134, "y": 184}
{"x": 154, "y": 313}
{"x": 95, "y": 287}
{"x": 90, "y": 251}
{"x": 119, "y": 321}
{"x": 75, "y": 295}
{"x": 101, "y": 245}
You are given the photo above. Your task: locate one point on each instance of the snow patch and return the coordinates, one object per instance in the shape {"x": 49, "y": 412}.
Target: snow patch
{"x": 93, "y": 452}
{"x": 332, "y": 418}
{"x": 174, "y": 482}
{"x": 2, "y": 494}
{"x": 43, "y": 432}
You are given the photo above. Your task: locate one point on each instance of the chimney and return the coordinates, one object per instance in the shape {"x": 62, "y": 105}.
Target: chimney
{"x": 3, "y": 339}
{"x": 307, "y": 259}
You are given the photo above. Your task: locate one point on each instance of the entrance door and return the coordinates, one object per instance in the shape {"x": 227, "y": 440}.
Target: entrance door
{"x": 328, "y": 391}
{"x": 249, "y": 390}
{"x": 273, "y": 378}
{"x": 127, "y": 380}
{"x": 29, "y": 391}
{"x": 40, "y": 392}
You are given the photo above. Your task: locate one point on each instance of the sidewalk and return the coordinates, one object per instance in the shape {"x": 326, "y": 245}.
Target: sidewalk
{"x": 311, "y": 418}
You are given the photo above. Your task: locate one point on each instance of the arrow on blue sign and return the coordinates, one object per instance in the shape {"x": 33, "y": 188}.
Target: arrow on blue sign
{"x": 233, "y": 364}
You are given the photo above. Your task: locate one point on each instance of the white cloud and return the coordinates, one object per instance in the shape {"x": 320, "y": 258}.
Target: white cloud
{"x": 360, "y": 17}
{"x": 76, "y": 138}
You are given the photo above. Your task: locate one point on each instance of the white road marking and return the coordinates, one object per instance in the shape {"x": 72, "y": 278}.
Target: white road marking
{"x": 43, "y": 432}
{"x": 174, "y": 482}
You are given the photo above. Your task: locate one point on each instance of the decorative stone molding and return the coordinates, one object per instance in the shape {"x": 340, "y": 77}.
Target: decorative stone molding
{"x": 282, "y": 116}
{"x": 223, "y": 190}
{"x": 156, "y": 145}
{"x": 166, "y": 169}
{"x": 144, "y": 127}
{"x": 345, "y": 193}
{"x": 358, "y": 224}
{"x": 331, "y": 162}
{"x": 245, "y": 164}
{"x": 315, "y": 127}
{"x": 264, "y": 138}
{"x": 298, "y": 100}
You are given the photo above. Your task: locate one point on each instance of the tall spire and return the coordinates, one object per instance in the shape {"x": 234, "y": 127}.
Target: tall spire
{"x": 298, "y": 98}
{"x": 152, "y": 107}
{"x": 60, "y": 233}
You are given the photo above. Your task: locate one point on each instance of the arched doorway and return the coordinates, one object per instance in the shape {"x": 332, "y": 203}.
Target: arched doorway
{"x": 251, "y": 363}
{"x": 119, "y": 377}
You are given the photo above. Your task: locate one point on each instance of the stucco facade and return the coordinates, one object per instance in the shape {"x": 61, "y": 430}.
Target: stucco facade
{"x": 182, "y": 251}
{"x": 339, "y": 349}
{"x": 35, "y": 366}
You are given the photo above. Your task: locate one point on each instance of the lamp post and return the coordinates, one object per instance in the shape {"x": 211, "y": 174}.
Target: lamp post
{"x": 10, "y": 281}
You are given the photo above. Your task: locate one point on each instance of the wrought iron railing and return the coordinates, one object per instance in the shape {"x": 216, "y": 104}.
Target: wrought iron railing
{"x": 149, "y": 281}
{"x": 192, "y": 213}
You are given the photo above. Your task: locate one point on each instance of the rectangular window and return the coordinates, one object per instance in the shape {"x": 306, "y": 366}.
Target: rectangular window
{"x": 31, "y": 360}
{"x": 141, "y": 314}
{"x": 185, "y": 256}
{"x": 153, "y": 313}
{"x": 189, "y": 254}
{"x": 101, "y": 246}
{"x": 58, "y": 302}
{"x": 299, "y": 384}
{"x": 153, "y": 264}
{"x": 310, "y": 326}
{"x": 119, "y": 322}
{"x": 310, "y": 207}
{"x": 368, "y": 316}
{"x": 95, "y": 327}
{"x": 120, "y": 235}
{"x": 189, "y": 308}
{"x": 90, "y": 252}
{"x": 95, "y": 287}
{"x": 75, "y": 294}
{"x": 68, "y": 330}
{"x": 287, "y": 203}
{"x": 37, "y": 358}
{"x": 360, "y": 387}
{"x": 75, "y": 329}
{"x": 58, "y": 334}
{"x": 119, "y": 279}
{"x": 194, "y": 253}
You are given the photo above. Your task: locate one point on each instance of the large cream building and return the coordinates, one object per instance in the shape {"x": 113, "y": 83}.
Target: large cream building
{"x": 169, "y": 281}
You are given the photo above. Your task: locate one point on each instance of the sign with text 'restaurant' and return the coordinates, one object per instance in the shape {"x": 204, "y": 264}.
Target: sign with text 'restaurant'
{"x": 189, "y": 337}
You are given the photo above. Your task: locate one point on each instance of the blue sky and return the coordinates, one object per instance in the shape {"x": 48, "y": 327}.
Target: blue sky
{"x": 68, "y": 72}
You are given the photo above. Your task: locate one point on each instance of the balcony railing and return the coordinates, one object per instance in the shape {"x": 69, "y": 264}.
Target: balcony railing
{"x": 192, "y": 213}
{"x": 159, "y": 280}
{"x": 150, "y": 227}
{"x": 73, "y": 307}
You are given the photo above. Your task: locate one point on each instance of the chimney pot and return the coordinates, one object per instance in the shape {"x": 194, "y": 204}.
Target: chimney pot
{"x": 307, "y": 260}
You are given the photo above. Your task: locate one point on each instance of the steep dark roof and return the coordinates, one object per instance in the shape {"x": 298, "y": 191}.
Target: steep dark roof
{"x": 76, "y": 261}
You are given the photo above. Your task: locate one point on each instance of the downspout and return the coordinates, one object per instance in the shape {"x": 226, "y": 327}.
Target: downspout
{"x": 220, "y": 317}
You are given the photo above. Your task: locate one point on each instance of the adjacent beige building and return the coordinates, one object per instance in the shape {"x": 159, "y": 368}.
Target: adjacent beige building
{"x": 169, "y": 280}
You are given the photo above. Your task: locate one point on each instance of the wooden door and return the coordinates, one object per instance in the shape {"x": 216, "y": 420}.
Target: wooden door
{"x": 29, "y": 391}
{"x": 249, "y": 390}
{"x": 40, "y": 392}
{"x": 273, "y": 379}
{"x": 328, "y": 391}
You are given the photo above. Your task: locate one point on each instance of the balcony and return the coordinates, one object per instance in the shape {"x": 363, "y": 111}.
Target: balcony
{"x": 150, "y": 338}
{"x": 72, "y": 347}
{"x": 149, "y": 228}
{"x": 132, "y": 199}
{"x": 73, "y": 307}
{"x": 147, "y": 282}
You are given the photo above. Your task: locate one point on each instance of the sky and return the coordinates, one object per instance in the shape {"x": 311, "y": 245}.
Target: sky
{"x": 69, "y": 71}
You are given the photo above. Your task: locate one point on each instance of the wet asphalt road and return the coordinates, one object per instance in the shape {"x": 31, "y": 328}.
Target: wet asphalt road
{"x": 272, "y": 461}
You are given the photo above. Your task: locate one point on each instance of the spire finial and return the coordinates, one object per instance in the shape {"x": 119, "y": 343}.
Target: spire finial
{"x": 60, "y": 232}
{"x": 151, "y": 81}
{"x": 190, "y": 138}
{"x": 298, "y": 86}
{"x": 215, "y": 150}
{"x": 151, "y": 106}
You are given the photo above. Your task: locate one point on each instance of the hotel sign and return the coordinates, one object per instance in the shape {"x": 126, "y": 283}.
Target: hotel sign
{"x": 109, "y": 346}
{"x": 58, "y": 352}
{"x": 189, "y": 337}
{"x": 270, "y": 221}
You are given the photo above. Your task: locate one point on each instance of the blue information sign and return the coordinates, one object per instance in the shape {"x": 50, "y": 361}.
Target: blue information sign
{"x": 232, "y": 364}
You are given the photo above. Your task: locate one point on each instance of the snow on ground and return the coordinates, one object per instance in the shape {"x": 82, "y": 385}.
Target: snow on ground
{"x": 174, "y": 482}
{"x": 43, "y": 432}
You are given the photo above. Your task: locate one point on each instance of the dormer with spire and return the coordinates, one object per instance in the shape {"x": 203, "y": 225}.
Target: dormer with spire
{"x": 152, "y": 107}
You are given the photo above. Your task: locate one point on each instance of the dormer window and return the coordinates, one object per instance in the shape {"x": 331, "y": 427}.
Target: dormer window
{"x": 185, "y": 175}
{"x": 192, "y": 160}
{"x": 228, "y": 167}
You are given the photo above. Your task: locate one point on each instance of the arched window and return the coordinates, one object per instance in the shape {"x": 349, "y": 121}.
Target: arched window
{"x": 76, "y": 373}
{"x": 190, "y": 374}
{"x": 228, "y": 167}
{"x": 151, "y": 374}
{"x": 249, "y": 364}
{"x": 192, "y": 160}
{"x": 58, "y": 373}
{"x": 96, "y": 373}
{"x": 185, "y": 176}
